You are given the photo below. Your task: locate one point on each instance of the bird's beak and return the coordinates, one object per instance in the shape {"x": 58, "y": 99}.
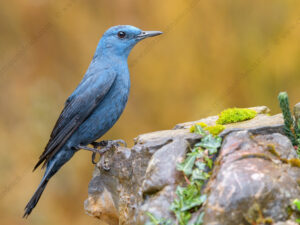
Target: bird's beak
{"x": 146, "y": 34}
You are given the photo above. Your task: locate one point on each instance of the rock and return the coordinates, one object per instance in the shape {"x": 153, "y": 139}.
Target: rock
{"x": 262, "y": 119}
{"x": 141, "y": 179}
{"x": 288, "y": 222}
{"x": 253, "y": 181}
{"x": 250, "y": 181}
{"x": 102, "y": 207}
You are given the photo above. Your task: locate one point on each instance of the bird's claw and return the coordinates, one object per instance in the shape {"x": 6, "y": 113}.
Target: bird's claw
{"x": 93, "y": 158}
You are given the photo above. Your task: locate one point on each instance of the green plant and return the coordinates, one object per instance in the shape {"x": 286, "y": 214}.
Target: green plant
{"x": 291, "y": 126}
{"x": 156, "y": 221}
{"x": 296, "y": 202}
{"x": 195, "y": 168}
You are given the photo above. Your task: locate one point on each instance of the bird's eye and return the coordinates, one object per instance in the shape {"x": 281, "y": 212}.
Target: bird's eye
{"x": 121, "y": 34}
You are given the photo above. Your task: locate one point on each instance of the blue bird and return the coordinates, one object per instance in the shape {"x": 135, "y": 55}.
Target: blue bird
{"x": 95, "y": 105}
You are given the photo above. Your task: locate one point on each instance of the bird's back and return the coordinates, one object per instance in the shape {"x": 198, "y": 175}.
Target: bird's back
{"x": 92, "y": 90}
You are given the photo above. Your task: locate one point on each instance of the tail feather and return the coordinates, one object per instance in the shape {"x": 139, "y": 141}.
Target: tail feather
{"x": 35, "y": 198}
{"x": 52, "y": 167}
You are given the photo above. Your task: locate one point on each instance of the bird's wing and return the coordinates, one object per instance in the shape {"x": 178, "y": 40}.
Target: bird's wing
{"x": 77, "y": 108}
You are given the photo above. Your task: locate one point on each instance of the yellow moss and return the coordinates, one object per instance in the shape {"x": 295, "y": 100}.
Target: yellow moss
{"x": 234, "y": 115}
{"x": 192, "y": 128}
{"x": 266, "y": 221}
{"x": 256, "y": 155}
{"x": 271, "y": 149}
{"x": 215, "y": 130}
{"x": 254, "y": 215}
{"x": 294, "y": 162}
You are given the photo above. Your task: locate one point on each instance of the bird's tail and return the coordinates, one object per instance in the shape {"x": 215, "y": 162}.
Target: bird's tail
{"x": 54, "y": 164}
{"x": 35, "y": 198}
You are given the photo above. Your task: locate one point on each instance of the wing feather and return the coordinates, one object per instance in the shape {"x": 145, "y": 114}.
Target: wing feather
{"x": 77, "y": 109}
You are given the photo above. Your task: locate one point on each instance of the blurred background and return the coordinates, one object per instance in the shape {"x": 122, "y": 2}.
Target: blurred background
{"x": 213, "y": 55}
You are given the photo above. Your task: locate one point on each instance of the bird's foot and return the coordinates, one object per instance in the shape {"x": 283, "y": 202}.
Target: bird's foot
{"x": 94, "y": 150}
{"x": 105, "y": 146}
{"x": 109, "y": 143}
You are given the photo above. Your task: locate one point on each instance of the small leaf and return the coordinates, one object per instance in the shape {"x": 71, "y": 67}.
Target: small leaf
{"x": 211, "y": 143}
{"x": 199, "y": 130}
{"x": 187, "y": 165}
{"x": 152, "y": 218}
{"x": 155, "y": 221}
{"x": 200, "y": 165}
{"x": 199, "y": 200}
{"x": 296, "y": 202}
{"x": 184, "y": 218}
{"x": 199, "y": 175}
{"x": 199, "y": 220}
{"x": 208, "y": 161}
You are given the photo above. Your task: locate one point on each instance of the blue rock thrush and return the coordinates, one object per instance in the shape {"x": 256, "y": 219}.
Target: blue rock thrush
{"x": 95, "y": 105}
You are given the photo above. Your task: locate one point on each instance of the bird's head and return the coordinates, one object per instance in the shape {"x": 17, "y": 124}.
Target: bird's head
{"x": 119, "y": 40}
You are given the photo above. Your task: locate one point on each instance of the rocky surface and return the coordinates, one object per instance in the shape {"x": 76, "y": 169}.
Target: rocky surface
{"x": 129, "y": 182}
{"x": 254, "y": 180}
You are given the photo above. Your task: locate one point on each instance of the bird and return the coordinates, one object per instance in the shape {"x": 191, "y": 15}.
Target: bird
{"x": 94, "y": 106}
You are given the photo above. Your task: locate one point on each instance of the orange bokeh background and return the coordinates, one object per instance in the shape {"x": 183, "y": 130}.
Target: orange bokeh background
{"x": 213, "y": 55}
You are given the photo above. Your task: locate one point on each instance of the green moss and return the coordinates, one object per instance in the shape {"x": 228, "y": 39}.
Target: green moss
{"x": 215, "y": 130}
{"x": 234, "y": 115}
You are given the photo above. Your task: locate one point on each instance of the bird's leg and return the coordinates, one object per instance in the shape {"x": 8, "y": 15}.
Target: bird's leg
{"x": 109, "y": 143}
{"x": 105, "y": 146}
{"x": 94, "y": 150}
